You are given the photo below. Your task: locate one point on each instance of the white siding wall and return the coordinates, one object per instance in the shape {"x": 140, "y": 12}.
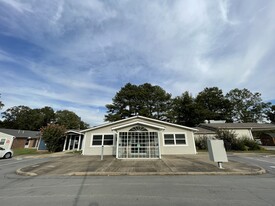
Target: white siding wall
{"x": 210, "y": 136}
{"x": 243, "y": 132}
{"x": 189, "y": 148}
{"x": 96, "y": 150}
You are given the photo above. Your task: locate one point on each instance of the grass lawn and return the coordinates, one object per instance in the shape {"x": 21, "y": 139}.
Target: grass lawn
{"x": 26, "y": 151}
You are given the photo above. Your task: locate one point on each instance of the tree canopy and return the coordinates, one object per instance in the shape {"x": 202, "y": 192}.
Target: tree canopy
{"x": 146, "y": 100}
{"x": 53, "y": 135}
{"x": 247, "y": 106}
{"x": 213, "y": 105}
{"x": 1, "y": 104}
{"x": 210, "y": 104}
{"x": 23, "y": 117}
{"x": 271, "y": 114}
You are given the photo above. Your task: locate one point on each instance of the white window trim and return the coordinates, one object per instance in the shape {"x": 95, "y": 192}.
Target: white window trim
{"x": 174, "y": 134}
{"x": 102, "y": 141}
{"x": 4, "y": 141}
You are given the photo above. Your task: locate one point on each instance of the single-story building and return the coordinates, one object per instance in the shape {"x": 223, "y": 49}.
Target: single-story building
{"x": 203, "y": 132}
{"x": 22, "y": 138}
{"x": 267, "y": 139}
{"x": 139, "y": 137}
{"x": 240, "y": 129}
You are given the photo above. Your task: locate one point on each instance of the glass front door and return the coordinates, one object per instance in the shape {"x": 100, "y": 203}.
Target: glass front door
{"x": 138, "y": 144}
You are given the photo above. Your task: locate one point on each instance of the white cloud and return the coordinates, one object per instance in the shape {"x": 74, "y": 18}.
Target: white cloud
{"x": 86, "y": 51}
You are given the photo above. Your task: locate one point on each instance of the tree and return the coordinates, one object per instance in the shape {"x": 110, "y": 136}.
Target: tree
{"x": 213, "y": 105}
{"x": 185, "y": 111}
{"x": 146, "y": 100}
{"x": 23, "y": 117}
{"x": 69, "y": 119}
{"x": 53, "y": 136}
{"x": 1, "y": 104}
{"x": 246, "y": 106}
{"x": 271, "y": 114}
{"x": 48, "y": 115}
{"x": 16, "y": 117}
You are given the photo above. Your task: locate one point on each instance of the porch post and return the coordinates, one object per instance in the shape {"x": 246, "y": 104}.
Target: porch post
{"x": 74, "y": 142}
{"x": 79, "y": 141}
{"x": 64, "y": 147}
{"x": 70, "y": 141}
{"x": 159, "y": 134}
{"x": 117, "y": 144}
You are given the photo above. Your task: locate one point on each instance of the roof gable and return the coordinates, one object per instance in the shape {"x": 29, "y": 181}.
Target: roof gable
{"x": 138, "y": 123}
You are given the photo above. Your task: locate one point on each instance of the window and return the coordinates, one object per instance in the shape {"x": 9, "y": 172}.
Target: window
{"x": 174, "y": 139}
{"x": 105, "y": 139}
{"x": 169, "y": 139}
{"x": 2, "y": 141}
{"x": 108, "y": 139}
{"x": 97, "y": 140}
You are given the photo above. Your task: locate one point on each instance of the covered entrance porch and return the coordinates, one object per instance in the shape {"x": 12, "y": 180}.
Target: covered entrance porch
{"x": 138, "y": 142}
{"x": 73, "y": 141}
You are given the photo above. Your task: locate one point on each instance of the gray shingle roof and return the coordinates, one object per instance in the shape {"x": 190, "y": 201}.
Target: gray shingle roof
{"x": 253, "y": 126}
{"x": 21, "y": 133}
{"x": 202, "y": 130}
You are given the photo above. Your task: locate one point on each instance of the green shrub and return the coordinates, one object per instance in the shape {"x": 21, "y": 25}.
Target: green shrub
{"x": 250, "y": 143}
{"x": 229, "y": 138}
{"x": 201, "y": 142}
{"x": 53, "y": 135}
{"x": 231, "y": 142}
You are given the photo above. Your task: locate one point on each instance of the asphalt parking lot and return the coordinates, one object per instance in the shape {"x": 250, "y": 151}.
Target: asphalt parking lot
{"x": 168, "y": 165}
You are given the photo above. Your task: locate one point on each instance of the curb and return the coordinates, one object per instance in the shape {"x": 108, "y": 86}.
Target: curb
{"x": 20, "y": 172}
{"x": 259, "y": 172}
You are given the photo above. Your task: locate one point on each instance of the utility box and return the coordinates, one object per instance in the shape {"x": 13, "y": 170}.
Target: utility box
{"x": 217, "y": 151}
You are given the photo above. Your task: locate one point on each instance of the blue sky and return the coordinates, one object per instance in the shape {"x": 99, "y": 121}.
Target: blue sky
{"x": 76, "y": 55}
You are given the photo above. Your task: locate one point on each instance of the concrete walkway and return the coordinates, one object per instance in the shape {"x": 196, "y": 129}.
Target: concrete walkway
{"x": 169, "y": 165}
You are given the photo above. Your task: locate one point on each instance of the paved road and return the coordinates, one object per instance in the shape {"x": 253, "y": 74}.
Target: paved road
{"x": 265, "y": 161}
{"x": 131, "y": 190}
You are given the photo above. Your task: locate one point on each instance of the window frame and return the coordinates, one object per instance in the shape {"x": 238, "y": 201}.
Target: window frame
{"x": 102, "y": 139}
{"x": 175, "y": 139}
{"x": 2, "y": 142}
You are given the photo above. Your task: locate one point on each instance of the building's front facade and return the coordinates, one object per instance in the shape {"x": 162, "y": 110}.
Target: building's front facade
{"x": 241, "y": 130}
{"x": 139, "y": 137}
{"x": 23, "y": 138}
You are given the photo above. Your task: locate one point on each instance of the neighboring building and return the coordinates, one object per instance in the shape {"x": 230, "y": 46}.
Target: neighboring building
{"x": 240, "y": 129}
{"x": 139, "y": 137}
{"x": 22, "y": 138}
{"x": 267, "y": 139}
{"x": 202, "y": 132}
{"x": 73, "y": 140}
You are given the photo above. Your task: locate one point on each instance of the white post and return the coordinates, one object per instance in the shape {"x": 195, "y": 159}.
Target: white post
{"x": 159, "y": 137}
{"x": 102, "y": 151}
{"x": 79, "y": 141}
{"x": 64, "y": 147}
{"x": 70, "y": 141}
{"x": 74, "y": 142}
{"x": 220, "y": 165}
{"x": 117, "y": 140}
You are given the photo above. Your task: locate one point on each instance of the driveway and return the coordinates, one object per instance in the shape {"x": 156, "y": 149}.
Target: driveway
{"x": 168, "y": 165}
